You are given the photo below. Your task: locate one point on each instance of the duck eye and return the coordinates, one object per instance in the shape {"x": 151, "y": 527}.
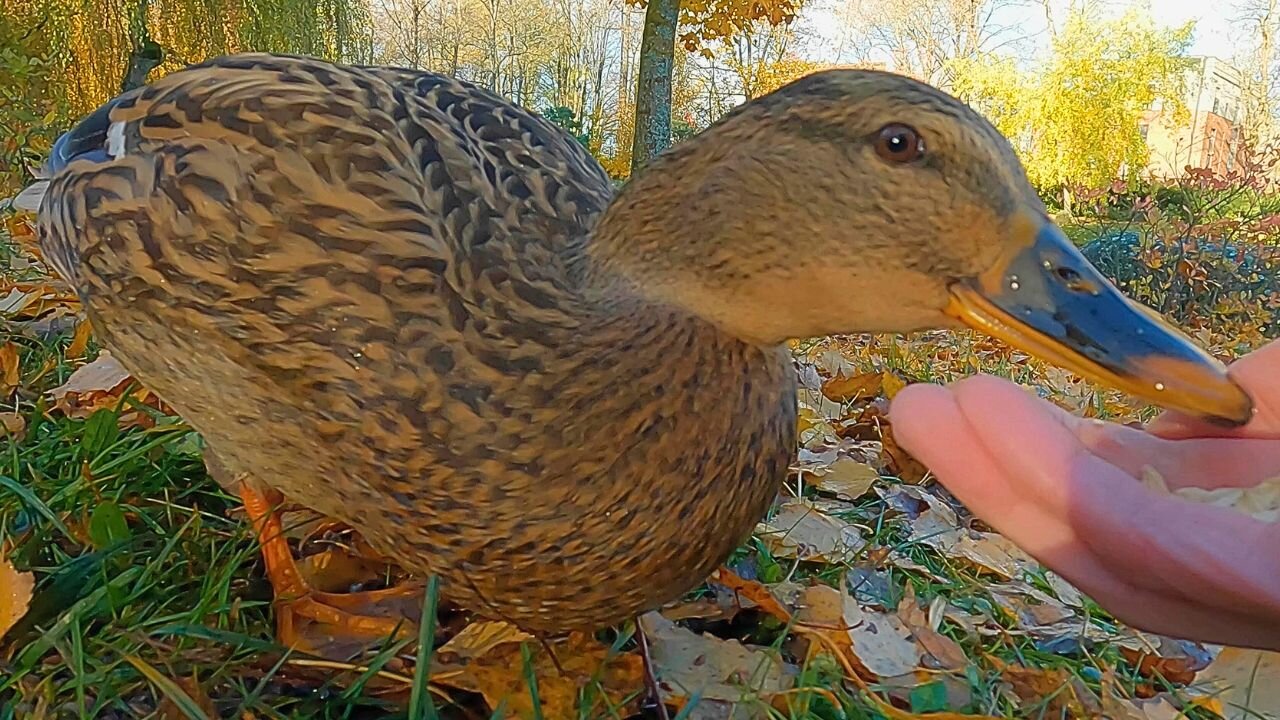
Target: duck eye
{"x": 899, "y": 143}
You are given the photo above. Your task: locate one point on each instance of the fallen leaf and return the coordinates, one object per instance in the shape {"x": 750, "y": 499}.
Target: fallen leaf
{"x": 15, "y": 594}
{"x": 945, "y": 652}
{"x": 336, "y": 570}
{"x": 879, "y": 643}
{"x": 1176, "y": 661}
{"x": 899, "y": 461}
{"x": 1117, "y": 707}
{"x": 168, "y": 709}
{"x": 688, "y": 664}
{"x": 1157, "y": 708}
{"x": 857, "y": 387}
{"x": 892, "y": 384}
{"x": 800, "y": 531}
{"x": 1030, "y": 608}
{"x": 480, "y": 637}
{"x": 752, "y": 591}
{"x": 1246, "y": 683}
{"x": 15, "y": 301}
{"x": 835, "y": 363}
{"x": 499, "y": 677}
{"x": 104, "y": 374}
{"x": 1065, "y": 591}
{"x": 847, "y": 479}
{"x": 10, "y": 376}
{"x": 938, "y": 528}
{"x": 1053, "y": 691}
{"x": 80, "y": 341}
{"x": 12, "y": 424}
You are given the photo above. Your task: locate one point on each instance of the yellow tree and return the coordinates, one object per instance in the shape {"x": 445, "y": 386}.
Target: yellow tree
{"x": 59, "y": 59}
{"x": 1074, "y": 118}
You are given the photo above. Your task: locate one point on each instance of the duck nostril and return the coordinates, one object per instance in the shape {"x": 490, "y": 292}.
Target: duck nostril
{"x": 1073, "y": 280}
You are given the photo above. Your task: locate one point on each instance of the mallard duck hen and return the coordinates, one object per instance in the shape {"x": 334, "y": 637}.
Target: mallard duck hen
{"x": 408, "y": 304}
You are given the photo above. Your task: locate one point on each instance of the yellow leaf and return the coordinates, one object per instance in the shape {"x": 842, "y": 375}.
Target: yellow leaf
{"x": 15, "y": 595}
{"x": 9, "y": 373}
{"x": 892, "y": 384}
{"x": 480, "y": 637}
{"x": 499, "y": 677}
{"x": 81, "y": 339}
{"x": 844, "y": 389}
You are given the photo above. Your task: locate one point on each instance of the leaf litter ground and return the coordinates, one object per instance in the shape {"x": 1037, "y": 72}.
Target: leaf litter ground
{"x": 131, "y": 587}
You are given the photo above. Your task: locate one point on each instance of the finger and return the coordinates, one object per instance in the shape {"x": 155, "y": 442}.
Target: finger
{"x": 928, "y": 423}
{"x": 1017, "y": 469}
{"x": 1194, "y": 462}
{"x": 1093, "y": 548}
{"x": 1170, "y": 615}
{"x": 1256, "y": 372}
{"x": 1172, "y": 544}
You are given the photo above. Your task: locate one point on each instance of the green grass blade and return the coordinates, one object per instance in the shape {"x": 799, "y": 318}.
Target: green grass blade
{"x": 421, "y": 706}
{"x": 171, "y": 690}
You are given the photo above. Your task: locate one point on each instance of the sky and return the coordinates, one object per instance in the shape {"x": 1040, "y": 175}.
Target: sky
{"x": 1212, "y": 18}
{"x": 1213, "y": 35}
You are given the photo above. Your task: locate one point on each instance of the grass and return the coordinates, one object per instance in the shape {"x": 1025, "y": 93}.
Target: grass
{"x": 151, "y": 600}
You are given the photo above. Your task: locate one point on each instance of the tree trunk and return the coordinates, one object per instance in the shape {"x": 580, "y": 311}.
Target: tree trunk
{"x": 653, "y": 88}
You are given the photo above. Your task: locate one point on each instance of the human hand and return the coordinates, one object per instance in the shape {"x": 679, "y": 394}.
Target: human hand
{"x": 1067, "y": 490}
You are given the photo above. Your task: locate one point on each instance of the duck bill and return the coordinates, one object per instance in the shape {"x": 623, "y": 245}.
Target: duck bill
{"x": 1046, "y": 299}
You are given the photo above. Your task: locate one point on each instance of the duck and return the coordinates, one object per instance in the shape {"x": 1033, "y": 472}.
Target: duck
{"x": 402, "y": 301}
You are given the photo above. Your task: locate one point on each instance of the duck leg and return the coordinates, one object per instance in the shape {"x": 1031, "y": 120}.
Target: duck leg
{"x": 341, "y": 616}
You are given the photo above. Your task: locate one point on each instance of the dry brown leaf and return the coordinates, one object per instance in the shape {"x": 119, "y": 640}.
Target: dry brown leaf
{"x": 754, "y": 592}
{"x": 1176, "y": 661}
{"x": 336, "y": 570}
{"x": 1261, "y": 501}
{"x": 169, "y": 710}
{"x": 857, "y": 387}
{"x": 12, "y": 424}
{"x": 899, "y": 461}
{"x": 880, "y": 643}
{"x": 945, "y": 652}
{"x": 104, "y": 374}
{"x": 1032, "y": 609}
{"x": 938, "y": 528}
{"x": 686, "y": 664}
{"x": 1054, "y": 690}
{"x": 499, "y": 677}
{"x": 847, "y": 479}
{"x": 1246, "y": 684}
{"x": 15, "y": 594}
{"x": 480, "y": 637}
{"x": 801, "y": 531}
{"x": 10, "y": 375}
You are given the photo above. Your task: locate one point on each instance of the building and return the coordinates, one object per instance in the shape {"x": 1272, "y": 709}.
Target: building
{"x": 1209, "y": 137}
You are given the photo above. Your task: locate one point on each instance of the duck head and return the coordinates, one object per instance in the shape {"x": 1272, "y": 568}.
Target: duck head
{"x": 863, "y": 201}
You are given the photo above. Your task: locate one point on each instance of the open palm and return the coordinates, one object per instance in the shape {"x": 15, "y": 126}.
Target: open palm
{"x": 1068, "y": 491}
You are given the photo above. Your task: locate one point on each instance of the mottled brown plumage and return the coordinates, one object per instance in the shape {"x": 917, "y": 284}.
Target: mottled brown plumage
{"x": 406, "y": 303}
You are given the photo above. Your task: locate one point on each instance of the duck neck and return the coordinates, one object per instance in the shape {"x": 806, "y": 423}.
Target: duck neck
{"x": 668, "y": 240}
